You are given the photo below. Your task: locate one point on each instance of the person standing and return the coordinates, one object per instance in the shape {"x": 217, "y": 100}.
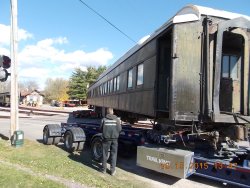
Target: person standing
{"x": 111, "y": 128}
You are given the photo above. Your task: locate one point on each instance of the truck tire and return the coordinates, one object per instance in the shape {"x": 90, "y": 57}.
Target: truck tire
{"x": 46, "y": 138}
{"x": 69, "y": 143}
{"x": 96, "y": 149}
{"x": 52, "y": 134}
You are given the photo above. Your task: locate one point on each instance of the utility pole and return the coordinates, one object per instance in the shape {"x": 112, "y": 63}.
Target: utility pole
{"x": 14, "y": 121}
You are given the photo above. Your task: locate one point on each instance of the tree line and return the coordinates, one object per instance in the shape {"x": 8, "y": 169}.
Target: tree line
{"x": 75, "y": 88}
{"x": 61, "y": 89}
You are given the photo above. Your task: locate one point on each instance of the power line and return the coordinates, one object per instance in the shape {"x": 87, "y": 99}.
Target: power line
{"x": 107, "y": 21}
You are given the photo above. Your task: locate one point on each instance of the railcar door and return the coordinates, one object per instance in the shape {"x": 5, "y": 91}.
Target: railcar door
{"x": 163, "y": 73}
{"x": 231, "y": 72}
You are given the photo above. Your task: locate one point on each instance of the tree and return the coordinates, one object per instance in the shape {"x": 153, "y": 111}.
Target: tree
{"x": 80, "y": 80}
{"x": 29, "y": 85}
{"x": 94, "y": 73}
{"x": 56, "y": 89}
{"x": 78, "y": 85}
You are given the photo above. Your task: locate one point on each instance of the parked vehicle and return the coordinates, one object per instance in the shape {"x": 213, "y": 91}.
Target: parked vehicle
{"x": 71, "y": 103}
{"x": 55, "y": 103}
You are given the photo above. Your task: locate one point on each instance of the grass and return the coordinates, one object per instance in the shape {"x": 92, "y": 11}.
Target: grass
{"x": 11, "y": 177}
{"x": 53, "y": 160}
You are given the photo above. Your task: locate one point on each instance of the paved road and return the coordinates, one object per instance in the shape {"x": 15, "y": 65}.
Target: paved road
{"x": 32, "y": 125}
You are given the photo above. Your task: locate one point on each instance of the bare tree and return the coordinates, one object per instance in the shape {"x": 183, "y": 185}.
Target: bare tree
{"x": 56, "y": 89}
{"x": 29, "y": 85}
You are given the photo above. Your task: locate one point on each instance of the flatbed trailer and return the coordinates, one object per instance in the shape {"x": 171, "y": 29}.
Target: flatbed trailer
{"x": 172, "y": 161}
{"x": 75, "y": 135}
{"x": 184, "y": 163}
{"x": 224, "y": 171}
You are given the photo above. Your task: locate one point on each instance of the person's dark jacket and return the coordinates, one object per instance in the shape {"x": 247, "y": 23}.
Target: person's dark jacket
{"x": 111, "y": 127}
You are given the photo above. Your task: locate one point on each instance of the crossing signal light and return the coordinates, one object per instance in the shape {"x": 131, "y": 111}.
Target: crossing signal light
{"x": 3, "y": 75}
{"x": 5, "y": 62}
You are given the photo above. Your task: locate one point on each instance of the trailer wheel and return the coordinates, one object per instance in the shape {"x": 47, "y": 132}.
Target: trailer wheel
{"x": 69, "y": 143}
{"x": 46, "y": 138}
{"x": 52, "y": 134}
{"x": 96, "y": 149}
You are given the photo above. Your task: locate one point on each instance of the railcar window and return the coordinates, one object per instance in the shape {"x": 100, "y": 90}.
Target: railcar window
{"x": 139, "y": 75}
{"x": 225, "y": 66}
{"x": 230, "y": 66}
{"x": 108, "y": 87}
{"x": 117, "y": 83}
{"x": 130, "y": 78}
{"x": 105, "y": 87}
{"x": 111, "y": 86}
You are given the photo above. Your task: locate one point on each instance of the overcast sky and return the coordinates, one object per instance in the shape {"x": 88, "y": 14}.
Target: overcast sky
{"x": 56, "y": 36}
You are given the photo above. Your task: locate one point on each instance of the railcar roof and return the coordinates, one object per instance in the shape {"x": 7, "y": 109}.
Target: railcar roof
{"x": 186, "y": 14}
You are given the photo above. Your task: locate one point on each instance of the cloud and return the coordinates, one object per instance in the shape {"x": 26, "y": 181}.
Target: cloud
{"x": 5, "y": 35}
{"x": 34, "y": 72}
{"x": 48, "y": 59}
{"x": 99, "y": 57}
{"x": 45, "y": 53}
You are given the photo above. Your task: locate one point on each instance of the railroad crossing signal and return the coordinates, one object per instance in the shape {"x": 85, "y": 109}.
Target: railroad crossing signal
{"x": 5, "y": 63}
{"x": 4, "y": 75}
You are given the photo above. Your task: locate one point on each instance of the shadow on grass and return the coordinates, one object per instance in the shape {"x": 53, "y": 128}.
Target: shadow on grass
{"x": 85, "y": 158}
{"x": 128, "y": 164}
{"x": 124, "y": 162}
{"x": 4, "y": 137}
{"x": 39, "y": 141}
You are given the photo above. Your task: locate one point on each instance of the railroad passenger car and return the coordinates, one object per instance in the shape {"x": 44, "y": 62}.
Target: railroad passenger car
{"x": 191, "y": 72}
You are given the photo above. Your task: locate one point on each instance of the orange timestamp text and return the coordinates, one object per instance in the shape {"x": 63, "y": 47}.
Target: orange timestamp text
{"x": 196, "y": 165}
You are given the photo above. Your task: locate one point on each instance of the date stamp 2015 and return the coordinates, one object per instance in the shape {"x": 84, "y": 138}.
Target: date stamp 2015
{"x": 196, "y": 165}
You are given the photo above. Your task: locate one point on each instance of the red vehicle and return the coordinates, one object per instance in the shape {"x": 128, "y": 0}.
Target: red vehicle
{"x": 70, "y": 103}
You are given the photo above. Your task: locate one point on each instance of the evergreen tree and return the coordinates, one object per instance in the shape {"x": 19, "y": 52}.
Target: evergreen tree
{"x": 94, "y": 73}
{"x": 78, "y": 85}
{"x": 80, "y": 80}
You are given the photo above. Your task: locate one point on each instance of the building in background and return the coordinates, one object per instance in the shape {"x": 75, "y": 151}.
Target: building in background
{"x": 33, "y": 98}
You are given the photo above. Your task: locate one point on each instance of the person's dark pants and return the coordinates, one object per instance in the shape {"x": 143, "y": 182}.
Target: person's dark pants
{"x": 113, "y": 146}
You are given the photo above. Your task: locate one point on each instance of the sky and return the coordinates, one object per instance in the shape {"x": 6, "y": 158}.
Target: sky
{"x": 57, "y": 36}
